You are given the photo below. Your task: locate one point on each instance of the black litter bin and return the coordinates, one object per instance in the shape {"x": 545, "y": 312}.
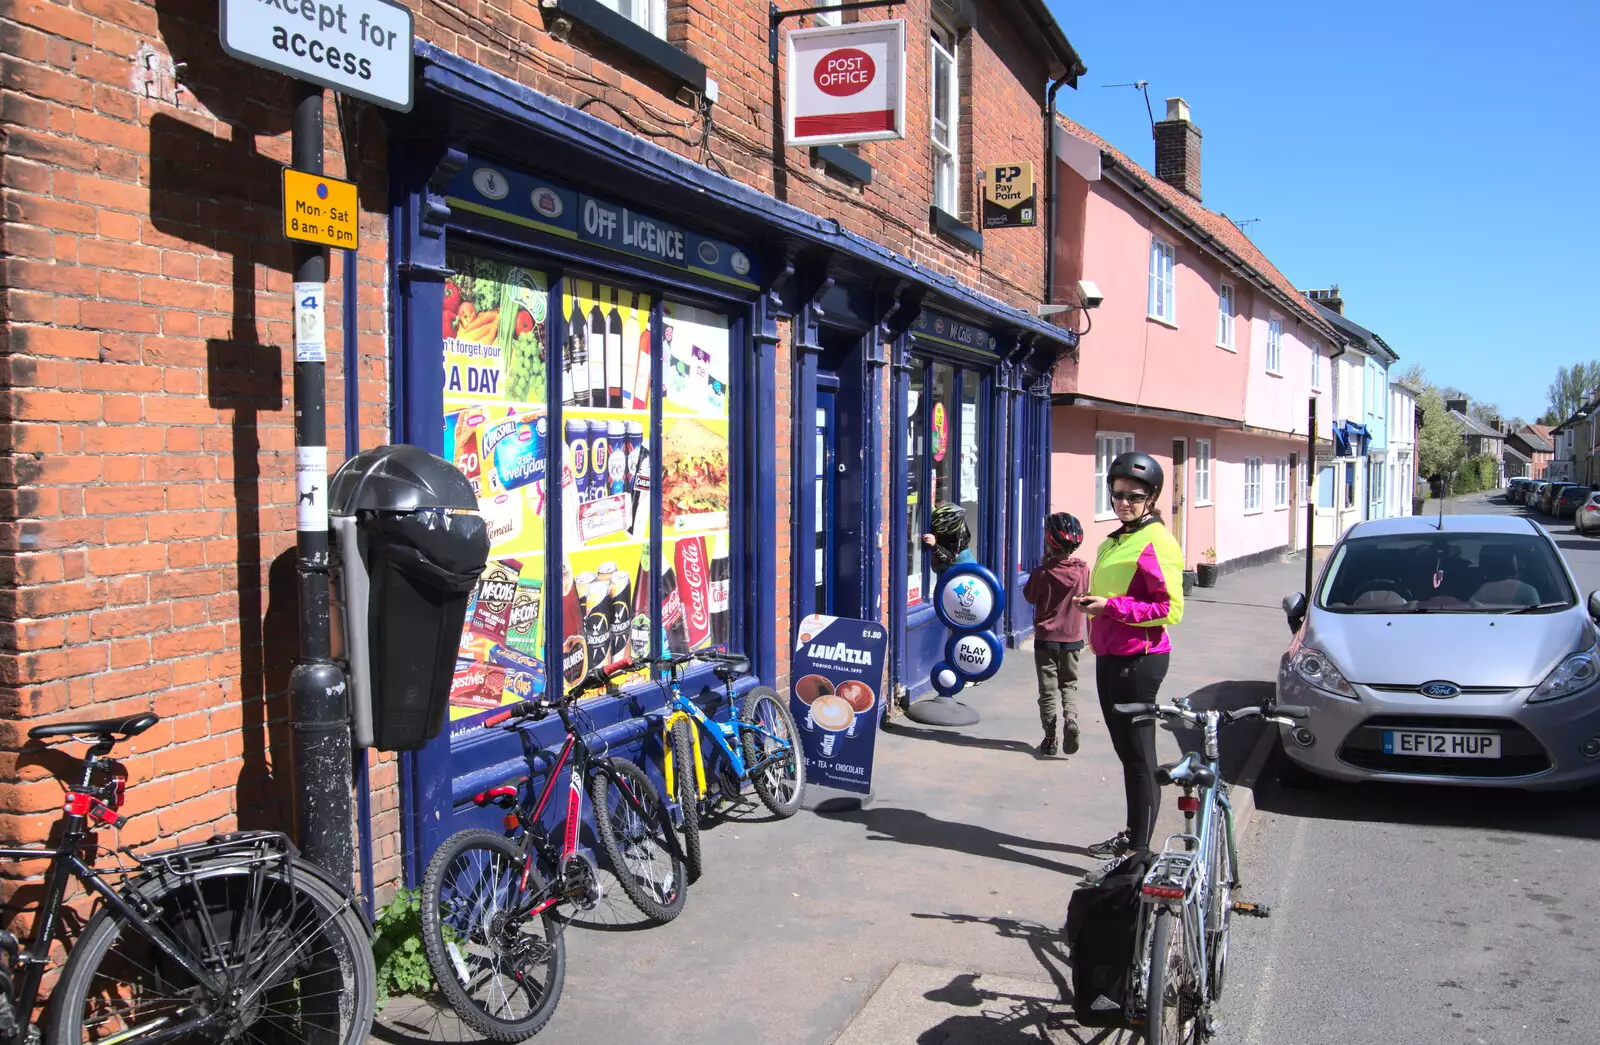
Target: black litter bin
{"x": 412, "y": 547}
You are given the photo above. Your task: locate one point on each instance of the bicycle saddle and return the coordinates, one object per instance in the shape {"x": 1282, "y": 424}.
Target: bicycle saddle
{"x": 1185, "y": 772}
{"x": 731, "y": 668}
{"x": 108, "y": 728}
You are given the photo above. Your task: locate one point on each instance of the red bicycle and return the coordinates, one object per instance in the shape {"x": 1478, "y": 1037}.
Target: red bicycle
{"x": 489, "y": 901}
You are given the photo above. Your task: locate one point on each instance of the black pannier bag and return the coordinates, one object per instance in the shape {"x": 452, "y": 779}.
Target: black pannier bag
{"x": 1102, "y": 925}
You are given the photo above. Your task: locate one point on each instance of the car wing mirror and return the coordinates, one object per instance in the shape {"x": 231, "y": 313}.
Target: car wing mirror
{"x": 1294, "y": 608}
{"x": 1594, "y": 605}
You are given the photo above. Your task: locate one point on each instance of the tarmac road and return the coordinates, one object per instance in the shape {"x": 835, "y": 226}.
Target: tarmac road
{"x": 1422, "y": 916}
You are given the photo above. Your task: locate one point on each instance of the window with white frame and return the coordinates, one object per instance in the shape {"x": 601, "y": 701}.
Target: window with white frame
{"x": 1225, "y": 316}
{"x": 1280, "y": 483}
{"x": 1163, "y": 263}
{"x": 828, "y": 17}
{"x": 1252, "y": 484}
{"x": 1274, "y": 345}
{"x": 647, "y": 14}
{"x": 945, "y": 92}
{"x": 1375, "y": 478}
{"x": 1202, "y": 471}
{"x": 1107, "y": 445}
{"x": 1316, "y": 366}
{"x": 1349, "y": 484}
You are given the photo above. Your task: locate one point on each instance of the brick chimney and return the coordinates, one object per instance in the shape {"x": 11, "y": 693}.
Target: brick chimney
{"x": 1328, "y": 299}
{"x": 1178, "y": 149}
{"x": 1456, "y": 404}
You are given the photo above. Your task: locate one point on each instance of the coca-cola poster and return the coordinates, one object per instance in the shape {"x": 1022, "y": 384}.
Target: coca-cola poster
{"x": 836, "y": 697}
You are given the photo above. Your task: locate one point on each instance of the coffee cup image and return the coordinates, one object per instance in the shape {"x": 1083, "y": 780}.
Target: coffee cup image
{"x": 860, "y": 697}
{"x": 833, "y": 713}
{"x": 810, "y": 688}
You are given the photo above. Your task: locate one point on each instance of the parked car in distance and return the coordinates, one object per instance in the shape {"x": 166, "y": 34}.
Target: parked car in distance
{"x": 1570, "y": 499}
{"x": 1513, "y": 488}
{"x": 1452, "y": 650}
{"x": 1547, "y": 497}
{"x": 1587, "y": 517}
{"x": 1530, "y": 496}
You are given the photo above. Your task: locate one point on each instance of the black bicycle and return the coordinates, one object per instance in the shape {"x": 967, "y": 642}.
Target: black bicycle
{"x": 235, "y": 939}
{"x": 490, "y": 923}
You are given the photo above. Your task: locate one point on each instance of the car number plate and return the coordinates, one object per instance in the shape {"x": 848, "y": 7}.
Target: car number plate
{"x": 1441, "y": 745}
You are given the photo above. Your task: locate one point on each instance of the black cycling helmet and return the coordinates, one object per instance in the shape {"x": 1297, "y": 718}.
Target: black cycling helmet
{"x": 948, "y": 519}
{"x": 1140, "y": 467}
{"x": 1063, "y": 532}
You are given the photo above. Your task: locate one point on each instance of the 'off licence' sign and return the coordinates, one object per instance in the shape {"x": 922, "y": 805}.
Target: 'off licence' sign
{"x": 357, "y": 47}
{"x": 846, "y": 83}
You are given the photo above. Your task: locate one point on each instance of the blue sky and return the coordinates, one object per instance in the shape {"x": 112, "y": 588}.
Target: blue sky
{"x": 1437, "y": 161}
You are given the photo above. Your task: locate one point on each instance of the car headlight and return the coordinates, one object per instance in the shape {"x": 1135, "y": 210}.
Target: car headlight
{"x": 1576, "y": 672}
{"x": 1315, "y": 667}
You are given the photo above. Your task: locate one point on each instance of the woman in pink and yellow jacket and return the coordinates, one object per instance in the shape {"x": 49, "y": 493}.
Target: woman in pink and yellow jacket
{"x": 1135, "y": 592}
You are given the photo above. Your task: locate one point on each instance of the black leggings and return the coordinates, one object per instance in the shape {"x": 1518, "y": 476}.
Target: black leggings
{"x": 1133, "y": 680}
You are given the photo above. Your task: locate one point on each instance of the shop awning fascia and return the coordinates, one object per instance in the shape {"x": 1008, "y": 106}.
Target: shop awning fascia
{"x": 744, "y": 208}
{"x": 1113, "y": 406}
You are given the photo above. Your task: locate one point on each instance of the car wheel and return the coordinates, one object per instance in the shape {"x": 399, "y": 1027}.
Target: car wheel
{"x": 1292, "y": 776}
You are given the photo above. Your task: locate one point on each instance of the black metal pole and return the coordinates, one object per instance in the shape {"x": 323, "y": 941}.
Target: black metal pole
{"x": 1311, "y": 491}
{"x": 318, "y": 697}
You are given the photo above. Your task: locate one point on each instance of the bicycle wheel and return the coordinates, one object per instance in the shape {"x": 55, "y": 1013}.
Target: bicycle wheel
{"x": 780, "y": 784}
{"x": 688, "y": 797}
{"x": 293, "y": 958}
{"x": 1219, "y": 916}
{"x": 501, "y": 974}
{"x": 1169, "y": 1010}
{"x": 635, "y": 834}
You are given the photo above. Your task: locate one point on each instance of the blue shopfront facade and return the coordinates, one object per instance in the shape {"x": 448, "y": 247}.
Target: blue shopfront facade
{"x": 589, "y": 326}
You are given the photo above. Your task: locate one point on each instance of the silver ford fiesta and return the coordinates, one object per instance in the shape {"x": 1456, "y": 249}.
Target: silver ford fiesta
{"x": 1453, "y": 651}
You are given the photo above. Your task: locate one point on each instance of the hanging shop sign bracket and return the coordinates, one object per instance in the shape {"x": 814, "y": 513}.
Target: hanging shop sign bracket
{"x": 776, "y": 18}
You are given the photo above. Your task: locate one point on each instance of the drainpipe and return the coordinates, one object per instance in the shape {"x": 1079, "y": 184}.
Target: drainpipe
{"x": 1050, "y": 185}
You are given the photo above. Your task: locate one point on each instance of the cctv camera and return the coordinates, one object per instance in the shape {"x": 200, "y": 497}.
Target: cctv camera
{"x": 1090, "y": 293}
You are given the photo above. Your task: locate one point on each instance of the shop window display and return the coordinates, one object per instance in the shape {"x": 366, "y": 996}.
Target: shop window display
{"x": 495, "y": 427}
{"x": 605, "y": 588}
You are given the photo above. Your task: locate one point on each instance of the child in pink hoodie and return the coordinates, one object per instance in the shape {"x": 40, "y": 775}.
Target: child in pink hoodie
{"x": 1059, "y": 629}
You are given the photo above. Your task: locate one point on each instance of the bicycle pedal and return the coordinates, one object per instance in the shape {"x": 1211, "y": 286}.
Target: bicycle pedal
{"x": 1253, "y": 910}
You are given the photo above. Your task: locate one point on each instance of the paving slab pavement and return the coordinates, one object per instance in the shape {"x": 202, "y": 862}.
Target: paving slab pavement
{"x": 962, "y": 860}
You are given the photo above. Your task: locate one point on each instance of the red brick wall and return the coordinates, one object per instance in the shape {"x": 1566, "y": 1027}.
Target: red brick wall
{"x": 146, "y": 444}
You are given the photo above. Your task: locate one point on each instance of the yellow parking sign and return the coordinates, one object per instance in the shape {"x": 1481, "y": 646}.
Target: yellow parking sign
{"x": 319, "y": 209}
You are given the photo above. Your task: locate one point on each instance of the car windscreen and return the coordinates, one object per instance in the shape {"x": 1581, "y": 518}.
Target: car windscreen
{"x": 1445, "y": 572}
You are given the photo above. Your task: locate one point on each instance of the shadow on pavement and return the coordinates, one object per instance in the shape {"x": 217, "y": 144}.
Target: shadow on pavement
{"x": 1523, "y": 812}
{"x": 1007, "y": 1018}
{"x": 1237, "y": 741}
{"x": 942, "y": 736}
{"x": 1047, "y": 945}
{"x": 913, "y": 827}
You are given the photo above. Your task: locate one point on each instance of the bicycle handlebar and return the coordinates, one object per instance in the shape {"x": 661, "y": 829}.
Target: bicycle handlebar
{"x": 599, "y": 678}
{"x": 1279, "y": 712}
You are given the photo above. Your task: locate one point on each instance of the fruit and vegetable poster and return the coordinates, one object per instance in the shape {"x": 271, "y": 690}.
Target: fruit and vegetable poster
{"x": 496, "y": 431}
{"x": 606, "y": 465}
{"x": 695, "y": 504}
{"x": 836, "y": 698}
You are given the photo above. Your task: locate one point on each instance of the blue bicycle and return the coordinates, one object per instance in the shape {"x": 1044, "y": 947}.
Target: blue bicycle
{"x": 759, "y": 745}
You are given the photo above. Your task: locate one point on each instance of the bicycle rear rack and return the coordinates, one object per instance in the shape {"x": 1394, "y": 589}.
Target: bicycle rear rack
{"x": 240, "y": 849}
{"x": 1171, "y": 877}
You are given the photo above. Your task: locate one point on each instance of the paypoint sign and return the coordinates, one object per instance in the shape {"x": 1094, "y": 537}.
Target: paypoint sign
{"x": 846, "y": 83}
{"x": 356, "y": 47}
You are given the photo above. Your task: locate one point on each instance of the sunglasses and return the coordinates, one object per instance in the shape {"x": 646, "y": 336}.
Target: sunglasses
{"x": 1129, "y": 497}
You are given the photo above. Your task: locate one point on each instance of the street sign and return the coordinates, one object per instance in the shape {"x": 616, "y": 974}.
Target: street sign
{"x": 846, "y": 83}
{"x": 318, "y": 209}
{"x": 356, "y": 47}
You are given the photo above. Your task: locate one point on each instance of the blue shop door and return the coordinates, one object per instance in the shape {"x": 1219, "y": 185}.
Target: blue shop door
{"x": 825, "y": 541}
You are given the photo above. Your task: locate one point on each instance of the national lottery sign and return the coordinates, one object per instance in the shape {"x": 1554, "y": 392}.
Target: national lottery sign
{"x": 846, "y": 83}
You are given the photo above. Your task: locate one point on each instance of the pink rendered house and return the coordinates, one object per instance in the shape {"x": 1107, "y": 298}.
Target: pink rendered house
{"x": 1201, "y": 354}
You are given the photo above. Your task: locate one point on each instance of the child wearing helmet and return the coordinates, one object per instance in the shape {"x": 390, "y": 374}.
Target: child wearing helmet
{"x": 1059, "y": 627}
{"x": 950, "y": 540}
